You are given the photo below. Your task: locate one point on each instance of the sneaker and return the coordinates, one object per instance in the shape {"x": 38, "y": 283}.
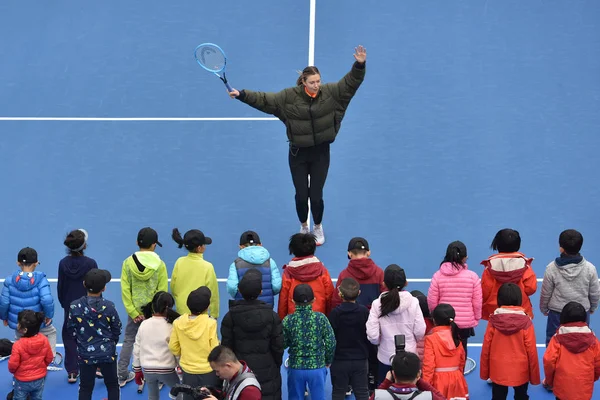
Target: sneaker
{"x": 489, "y": 381}
{"x": 319, "y": 234}
{"x": 546, "y": 386}
{"x": 304, "y": 229}
{"x": 130, "y": 377}
{"x": 72, "y": 377}
{"x": 349, "y": 390}
{"x": 99, "y": 374}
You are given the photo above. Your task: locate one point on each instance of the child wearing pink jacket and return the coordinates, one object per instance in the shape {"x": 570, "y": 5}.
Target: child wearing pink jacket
{"x": 454, "y": 284}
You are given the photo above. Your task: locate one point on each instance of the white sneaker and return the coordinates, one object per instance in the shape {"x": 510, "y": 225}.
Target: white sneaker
{"x": 319, "y": 234}
{"x": 130, "y": 377}
{"x": 304, "y": 229}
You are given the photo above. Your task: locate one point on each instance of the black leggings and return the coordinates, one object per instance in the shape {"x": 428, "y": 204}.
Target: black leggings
{"x": 314, "y": 162}
{"x": 500, "y": 392}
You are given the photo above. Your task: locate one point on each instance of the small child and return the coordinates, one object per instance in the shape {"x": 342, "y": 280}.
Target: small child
{"x": 30, "y": 357}
{"x": 404, "y": 381}
{"x": 253, "y": 255}
{"x": 311, "y": 343}
{"x": 454, "y": 284}
{"x": 395, "y": 312}
{"x": 96, "y": 327}
{"x": 509, "y": 355}
{"x": 71, "y": 270}
{"x": 351, "y": 360}
{"x": 426, "y": 316}
{"x": 193, "y": 337}
{"x": 152, "y": 359}
{"x": 444, "y": 360}
{"x": 143, "y": 275}
{"x": 28, "y": 289}
{"x": 507, "y": 266}
{"x": 568, "y": 278}
{"x": 193, "y": 271}
{"x": 255, "y": 334}
{"x": 572, "y": 359}
{"x": 305, "y": 268}
{"x": 364, "y": 270}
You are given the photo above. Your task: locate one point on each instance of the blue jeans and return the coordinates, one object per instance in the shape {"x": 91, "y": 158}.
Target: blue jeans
{"x": 298, "y": 379}
{"x": 554, "y": 322}
{"x": 33, "y": 388}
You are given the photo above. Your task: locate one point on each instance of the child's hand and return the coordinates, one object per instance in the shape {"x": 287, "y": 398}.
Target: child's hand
{"x": 5, "y": 323}
{"x": 138, "y": 319}
{"x": 48, "y": 321}
{"x": 389, "y": 376}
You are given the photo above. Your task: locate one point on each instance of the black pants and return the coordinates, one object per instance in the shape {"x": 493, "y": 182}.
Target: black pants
{"x": 199, "y": 380}
{"x": 500, "y": 392}
{"x": 87, "y": 380}
{"x": 71, "y": 362}
{"x": 314, "y": 162}
{"x": 353, "y": 373}
{"x": 464, "y": 335}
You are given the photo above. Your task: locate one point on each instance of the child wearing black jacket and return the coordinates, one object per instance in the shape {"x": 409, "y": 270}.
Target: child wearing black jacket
{"x": 350, "y": 363}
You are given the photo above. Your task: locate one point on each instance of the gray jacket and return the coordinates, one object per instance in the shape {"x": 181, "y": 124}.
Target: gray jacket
{"x": 381, "y": 394}
{"x": 571, "y": 282}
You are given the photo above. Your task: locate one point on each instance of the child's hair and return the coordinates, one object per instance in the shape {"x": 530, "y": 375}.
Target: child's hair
{"x": 191, "y": 240}
{"x": 394, "y": 278}
{"x": 573, "y": 312}
{"x": 443, "y": 315}
{"x": 302, "y": 244}
{"x": 350, "y": 289}
{"x": 422, "y": 303}
{"x": 455, "y": 254}
{"x": 75, "y": 242}
{"x": 506, "y": 241}
{"x": 509, "y": 294}
{"x": 162, "y": 303}
{"x": 306, "y": 72}
{"x": 571, "y": 241}
{"x": 406, "y": 367}
{"x": 30, "y": 320}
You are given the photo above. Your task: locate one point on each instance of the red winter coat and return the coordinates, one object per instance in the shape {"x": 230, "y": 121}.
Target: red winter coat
{"x": 507, "y": 268}
{"x": 368, "y": 275}
{"x": 307, "y": 270}
{"x": 509, "y": 355}
{"x": 572, "y": 362}
{"x": 30, "y": 357}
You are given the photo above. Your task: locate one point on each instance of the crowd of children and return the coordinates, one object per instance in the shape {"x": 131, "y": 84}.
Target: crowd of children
{"x": 351, "y": 330}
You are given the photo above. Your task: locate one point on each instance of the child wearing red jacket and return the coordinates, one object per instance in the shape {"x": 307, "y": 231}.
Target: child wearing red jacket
{"x": 305, "y": 268}
{"x": 429, "y": 325}
{"x": 509, "y": 355}
{"x": 572, "y": 358}
{"x": 508, "y": 266}
{"x": 30, "y": 356}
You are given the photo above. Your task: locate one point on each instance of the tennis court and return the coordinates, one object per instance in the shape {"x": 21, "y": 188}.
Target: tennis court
{"x": 474, "y": 116}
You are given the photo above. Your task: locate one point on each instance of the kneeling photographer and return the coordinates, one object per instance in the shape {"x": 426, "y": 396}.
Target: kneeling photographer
{"x": 404, "y": 381}
{"x": 240, "y": 382}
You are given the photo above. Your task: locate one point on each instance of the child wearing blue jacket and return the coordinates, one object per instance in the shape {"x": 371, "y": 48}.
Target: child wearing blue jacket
{"x": 253, "y": 255}
{"x": 28, "y": 289}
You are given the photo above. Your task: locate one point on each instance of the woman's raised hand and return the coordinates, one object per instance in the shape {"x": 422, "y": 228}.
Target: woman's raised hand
{"x": 360, "y": 54}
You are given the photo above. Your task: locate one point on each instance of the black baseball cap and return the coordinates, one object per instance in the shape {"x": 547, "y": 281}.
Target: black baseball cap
{"x": 147, "y": 237}
{"x": 96, "y": 279}
{"x": 250, "y": 285}
{"x": 358, "y": 243}
{"x": 27, "y": 255}
{"x": 194, "y": 238}
{"x": 199, "y": 300}
{"x": 249, "y": 237}
{"x": 303, "y": 293}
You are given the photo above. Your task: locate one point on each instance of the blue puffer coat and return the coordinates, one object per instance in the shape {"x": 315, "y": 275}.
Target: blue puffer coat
{"x": 25, "y": 291}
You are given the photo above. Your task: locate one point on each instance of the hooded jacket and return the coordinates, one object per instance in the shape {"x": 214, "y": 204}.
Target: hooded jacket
{"x": 569, "y": 279}
{"x": 507, "y": 268}
{"x": 192, "y": 339}
{"x": 444, "y": 363}
{"x": 509, "y": 354}
{"x": 25, "y": 291}
{"x": 572, "y": 362}
{"x": 189, "y": 273}
{"x": 71, "y": 271}
{"x": 461, "y": 289}
{"x": 256, "y": 257}
{"x": 141, "y": 280}
{"x": 406, "y": 320}
{"x": 307, "y": 270}
{"x": 368, "y": 275}
{"x": 30, "y": 357}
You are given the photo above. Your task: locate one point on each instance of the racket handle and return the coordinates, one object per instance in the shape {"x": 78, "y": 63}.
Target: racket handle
{"x": 229, "y": 88}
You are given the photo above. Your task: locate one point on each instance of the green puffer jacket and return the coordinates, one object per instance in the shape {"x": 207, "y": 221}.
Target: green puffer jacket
{"x": 309, "y": 121}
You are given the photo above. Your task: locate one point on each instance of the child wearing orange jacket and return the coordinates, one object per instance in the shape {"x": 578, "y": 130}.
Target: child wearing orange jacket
{"x": 305, "y": 268}
{"x": 508, "y": 266}
{"x": 444, "y": 360}
{"x": 572, "y": 358}
{"x": 509, "y": 355}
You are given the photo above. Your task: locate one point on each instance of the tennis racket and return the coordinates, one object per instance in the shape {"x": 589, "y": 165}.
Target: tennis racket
{"x": 212, "y": 58}
{"x": 470, "y": 366}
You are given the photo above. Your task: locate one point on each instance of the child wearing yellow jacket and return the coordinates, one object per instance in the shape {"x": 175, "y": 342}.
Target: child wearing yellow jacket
{"x": 193, "y": 337}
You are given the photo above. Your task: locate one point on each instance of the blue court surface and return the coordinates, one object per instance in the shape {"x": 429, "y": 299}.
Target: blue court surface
{"x": 474, "y": 116}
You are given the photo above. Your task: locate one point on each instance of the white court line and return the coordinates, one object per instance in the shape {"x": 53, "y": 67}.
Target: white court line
{"x": 311, "y": 32}
{"x": 468, "y": 345}
{"x": 223, "y": 280}
{"x": 92, "y": 119}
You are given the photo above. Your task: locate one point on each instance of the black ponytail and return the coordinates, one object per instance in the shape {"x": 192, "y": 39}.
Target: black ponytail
{"x": 177, "y": 237}
{"x": 455, "y": 254}
{"x": 394, "y": 278}
{"x": 162, "y": 303}
{"x": 443, "y": 315}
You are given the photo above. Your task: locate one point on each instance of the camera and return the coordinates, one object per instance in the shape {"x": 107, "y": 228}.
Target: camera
{"x": 197, "y": 393}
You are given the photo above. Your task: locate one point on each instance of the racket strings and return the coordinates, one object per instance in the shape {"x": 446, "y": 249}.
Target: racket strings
{"x": 211, "y": 58}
